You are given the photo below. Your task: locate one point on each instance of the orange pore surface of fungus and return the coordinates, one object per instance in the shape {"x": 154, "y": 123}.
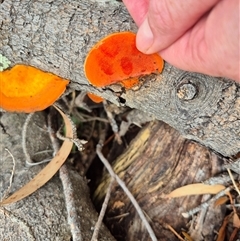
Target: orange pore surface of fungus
{"x": 116, "y": 59}
{"x": 27, "y": 89}
{"x": 95, "y": 98}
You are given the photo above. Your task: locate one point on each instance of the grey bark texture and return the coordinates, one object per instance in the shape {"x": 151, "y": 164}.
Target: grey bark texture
{"x": 55, "y": 36}
{"x": 43, "y": 215}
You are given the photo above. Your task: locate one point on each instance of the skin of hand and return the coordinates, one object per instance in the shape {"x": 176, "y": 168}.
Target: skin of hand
{"x": 198, "y": 36}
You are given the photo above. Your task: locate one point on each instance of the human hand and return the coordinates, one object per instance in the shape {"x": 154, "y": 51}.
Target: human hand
{"x": 199, "y": 36}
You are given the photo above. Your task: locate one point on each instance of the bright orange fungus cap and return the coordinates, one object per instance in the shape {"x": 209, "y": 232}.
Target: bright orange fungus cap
{"x": 27, "y": 89}
{"x": 116, "y": 59}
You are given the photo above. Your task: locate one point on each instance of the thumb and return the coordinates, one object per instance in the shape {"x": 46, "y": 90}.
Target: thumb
{"x": 167, "y": 20}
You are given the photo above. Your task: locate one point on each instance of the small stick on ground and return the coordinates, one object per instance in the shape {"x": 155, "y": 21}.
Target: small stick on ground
{"x": 127, "y": 192}
{"x": 112, "y": 123}
{"x": 78, "y": 143}
{"x": 233, "y": 181}
{"x": 24, "y": 134}
{"x": 173, "y": 231}
{"x": 222, "y": 179}
{"x": 11, "y": 177}
{"x": 206, "y": 204}
{"x": 103, "y": 211}
{"x": 73, "y": 219}
{"x": 24, "y": 144}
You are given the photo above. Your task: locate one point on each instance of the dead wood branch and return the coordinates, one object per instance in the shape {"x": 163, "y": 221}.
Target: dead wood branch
{"x": 56, "y": 35}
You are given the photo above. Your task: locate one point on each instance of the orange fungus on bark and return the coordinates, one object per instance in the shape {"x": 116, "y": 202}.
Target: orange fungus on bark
{"x": 28, "y": 89}
{"x": 116, "y": 59}
{"x": 95, "y": 98}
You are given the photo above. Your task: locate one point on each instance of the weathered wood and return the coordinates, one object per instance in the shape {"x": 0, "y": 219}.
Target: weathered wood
{"x": 42, "y": 215}
{"x": 56, "y": 35}
{"x": 156, "y": 162}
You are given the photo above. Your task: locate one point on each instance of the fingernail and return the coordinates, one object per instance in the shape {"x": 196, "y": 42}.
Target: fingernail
{"x": 144, "y": 37}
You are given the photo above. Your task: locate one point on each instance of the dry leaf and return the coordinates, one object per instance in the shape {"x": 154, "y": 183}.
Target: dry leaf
{"x": 222, "y": 230}
{"x": 118, "y": 205}
{"x": 187, "y": 236}
{"x": 234, "y": 234}
{"x": 221, "y": 200}
{"x": 236, "y": 221}
{"x": 173, "y": 231}
{"x": 49, "y": 171}
{"x": 195, "y": 189}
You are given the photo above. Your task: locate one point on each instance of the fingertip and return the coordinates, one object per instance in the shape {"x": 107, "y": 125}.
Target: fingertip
{"x": 144, "y": 38}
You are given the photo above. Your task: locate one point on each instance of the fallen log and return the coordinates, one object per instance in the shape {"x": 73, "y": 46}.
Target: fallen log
{"x": 56, "y": 36}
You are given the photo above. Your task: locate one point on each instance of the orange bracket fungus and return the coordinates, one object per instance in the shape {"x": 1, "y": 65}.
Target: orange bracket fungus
{"x": 115, "y": 59}
{"x": 27, "y": 89}
{"x": 95, "y": 98}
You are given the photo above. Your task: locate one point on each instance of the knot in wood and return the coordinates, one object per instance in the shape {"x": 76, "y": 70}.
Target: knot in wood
{"x": 186, "y": 91}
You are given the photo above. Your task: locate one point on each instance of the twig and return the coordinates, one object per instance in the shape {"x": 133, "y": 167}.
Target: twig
{"x": 233, "y": 181}
{"x": 79, "y": 143}
{"x": 12, "y": 174}
{"x": 70, "y": 104}
{"x": 127, "y": 192}
{"x": 73, "y": 219}
{"x": 236, "y": 205}
{"x": 206, "y": 204}
{"x": 173, "y": 231}
{"x": 222, "y": 179}
{"x": 118, "y": 216}
{"x": 24, "y": 133}
{"x": 24, "y": 144}
{"x": 112, "y": 122}
{"x": 79, "y": 102}
{"x": 103, "y": 211}
{"x": 52, "y": 132}
{"x": 200, "y": 220}
{"x": 87, "y": 118}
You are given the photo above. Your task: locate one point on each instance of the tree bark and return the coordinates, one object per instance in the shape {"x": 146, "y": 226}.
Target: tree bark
{"x": 156, "y": 162}
{"x": 55, "y": 36}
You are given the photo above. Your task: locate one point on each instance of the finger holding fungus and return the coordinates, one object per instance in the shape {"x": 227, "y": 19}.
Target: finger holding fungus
{"x": 115, "y": 59}
{"x": 28, "y": 89}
